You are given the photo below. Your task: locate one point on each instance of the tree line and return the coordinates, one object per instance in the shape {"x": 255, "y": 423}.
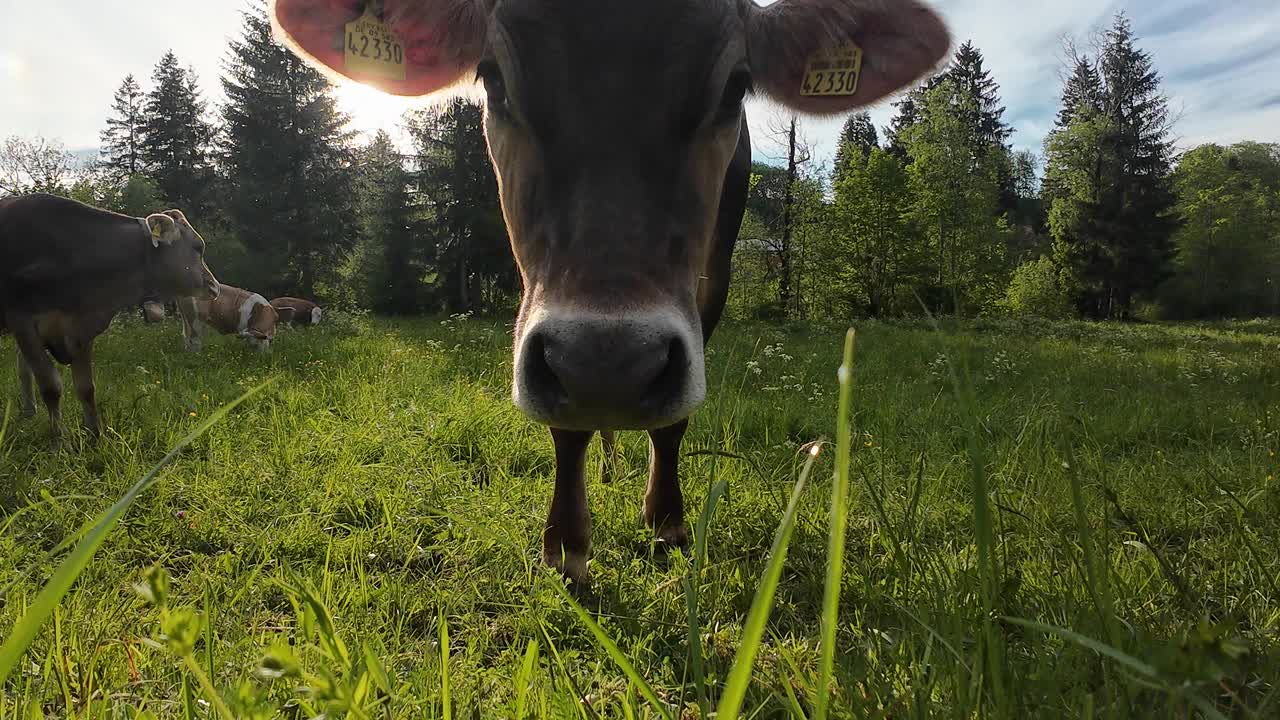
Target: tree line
{"x": 287, "y": 198}
{"x": 940, "y": 214}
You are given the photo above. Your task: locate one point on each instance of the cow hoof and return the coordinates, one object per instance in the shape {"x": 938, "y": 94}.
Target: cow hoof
{"x": 572, "y": 568}
{"x": 674, "y": 537}
{"x": 26, "y": 413}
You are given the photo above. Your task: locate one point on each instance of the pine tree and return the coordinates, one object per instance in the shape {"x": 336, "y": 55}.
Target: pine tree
{"x": 394, "y": 262}
{"x": 290, "y": 195}
{"x": 122, "y": 138}
{"x": 985, "y": 114}
{"x": 1108, "y": 176}
{"x": 473, "y": 257}
{"x": 176, "y": 137}
{"x": 857, "y": 139}
{"x": 975, "y": 81}
{"x": 1139, "y": 112}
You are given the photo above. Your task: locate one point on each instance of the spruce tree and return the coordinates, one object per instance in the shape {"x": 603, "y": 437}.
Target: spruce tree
{"x": 394, "y": 262}
{"x": 857, "y": 139}
{"x": 986, "y": 115}
{"x": 177, "y": 137}
{"x": 122, "y": 138}
{"x": 1108, "y": 176}
{"x": 1141, "y": 243}
{"x": 290, "y": 196}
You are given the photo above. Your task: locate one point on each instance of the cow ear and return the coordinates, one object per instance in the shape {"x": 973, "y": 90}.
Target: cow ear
{"x": 823, "y": 57}
{"x": 441, "y": 41}
{"x": 163, "y": 229}
{"x": 176, "y": 214}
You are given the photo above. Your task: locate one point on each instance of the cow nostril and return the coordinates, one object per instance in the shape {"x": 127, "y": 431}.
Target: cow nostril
{"x": 539, "y": 375}
{"x": 671, "y": 376}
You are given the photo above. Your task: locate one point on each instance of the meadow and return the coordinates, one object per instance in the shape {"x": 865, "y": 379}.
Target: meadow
{"x": 1044, "y": 520}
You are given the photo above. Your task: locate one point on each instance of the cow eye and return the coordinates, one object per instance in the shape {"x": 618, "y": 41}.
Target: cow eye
{"x": 495, "y": 87}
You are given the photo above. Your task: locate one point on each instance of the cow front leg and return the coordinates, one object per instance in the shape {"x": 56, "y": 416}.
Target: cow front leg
{"x": 566, "y": 540}
{"x": 82, "y": 378}
{"x": 190, "y": 324}
{"x": 663, "y": 503}
{"x": 46, "y": 374}
{"x": 26, "y": 391}
{"x": 609, "y": 465}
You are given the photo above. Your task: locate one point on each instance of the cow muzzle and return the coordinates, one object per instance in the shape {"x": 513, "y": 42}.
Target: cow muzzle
{"x": 582, "y": 370}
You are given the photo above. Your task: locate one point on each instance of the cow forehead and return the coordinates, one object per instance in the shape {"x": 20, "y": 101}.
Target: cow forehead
{"x": 589, "y": 59}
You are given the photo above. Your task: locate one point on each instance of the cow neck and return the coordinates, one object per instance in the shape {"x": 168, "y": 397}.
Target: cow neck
{"x": 148, "y": 264}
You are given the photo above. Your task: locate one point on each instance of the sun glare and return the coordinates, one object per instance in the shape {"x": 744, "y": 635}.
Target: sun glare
{"x": 372, "y": 110}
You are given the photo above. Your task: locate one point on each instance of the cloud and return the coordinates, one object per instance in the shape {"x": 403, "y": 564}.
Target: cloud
{"x": 1218, "y": 60}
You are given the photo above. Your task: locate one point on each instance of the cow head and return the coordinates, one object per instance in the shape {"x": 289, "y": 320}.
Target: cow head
{"x": 261, "y": 328}
{"x": 611, "y": 124}
{"x": 177, "y": 267}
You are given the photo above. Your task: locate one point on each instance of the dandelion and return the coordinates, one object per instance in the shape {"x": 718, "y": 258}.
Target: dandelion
{"x": 192, "y": 413}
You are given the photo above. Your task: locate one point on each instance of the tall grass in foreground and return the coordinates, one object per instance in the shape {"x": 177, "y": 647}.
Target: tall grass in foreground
{"x": 325, "y": 673}
{"x": 40, "y": 610}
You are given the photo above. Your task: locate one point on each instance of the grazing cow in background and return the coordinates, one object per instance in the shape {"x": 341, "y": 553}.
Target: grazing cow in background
{"x": 235, "y": 311}
{"x": 67, "y": 268}
{"x": 617, "y": 131}
{"x": 296, "y": 311}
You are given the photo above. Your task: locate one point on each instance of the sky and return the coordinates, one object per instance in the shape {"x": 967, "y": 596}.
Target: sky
{"x": 62, "y": 60}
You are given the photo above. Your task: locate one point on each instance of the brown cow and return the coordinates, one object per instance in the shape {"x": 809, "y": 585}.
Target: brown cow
{"x": 617, "y": 131}
{"x": 235, "y": 311}
{"x": 296, "y": 311}
{"x": 67, "y": 268}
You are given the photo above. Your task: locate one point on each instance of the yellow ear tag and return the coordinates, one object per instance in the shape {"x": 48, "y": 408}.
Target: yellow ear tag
{"x": 155, "y": 231}
{"x": 372, "y": 49}
{"x": 833, "y": 72}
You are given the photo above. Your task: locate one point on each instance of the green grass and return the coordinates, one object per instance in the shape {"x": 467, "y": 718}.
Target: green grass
{"x": 1043, "y": 520}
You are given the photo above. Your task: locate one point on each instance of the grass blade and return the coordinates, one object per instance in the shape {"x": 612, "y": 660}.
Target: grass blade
{"x": 614, "y": 652}
{"x": 735, "y": 689}
{"x": 25, "y": 629}
{"x": 693, "y": 578}
{"x": 1101, "y": 648}
{"x": 525, "y": 677}
{"x": 835, "y": 543}
{"x": 444, "y": 667}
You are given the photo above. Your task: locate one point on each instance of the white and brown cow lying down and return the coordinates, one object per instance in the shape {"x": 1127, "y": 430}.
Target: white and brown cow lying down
{"x": 235, "y": 311}
{"x": 67, "y": 268}
{"x": 618, "y": 134}
{"x": 296, "y": 311}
